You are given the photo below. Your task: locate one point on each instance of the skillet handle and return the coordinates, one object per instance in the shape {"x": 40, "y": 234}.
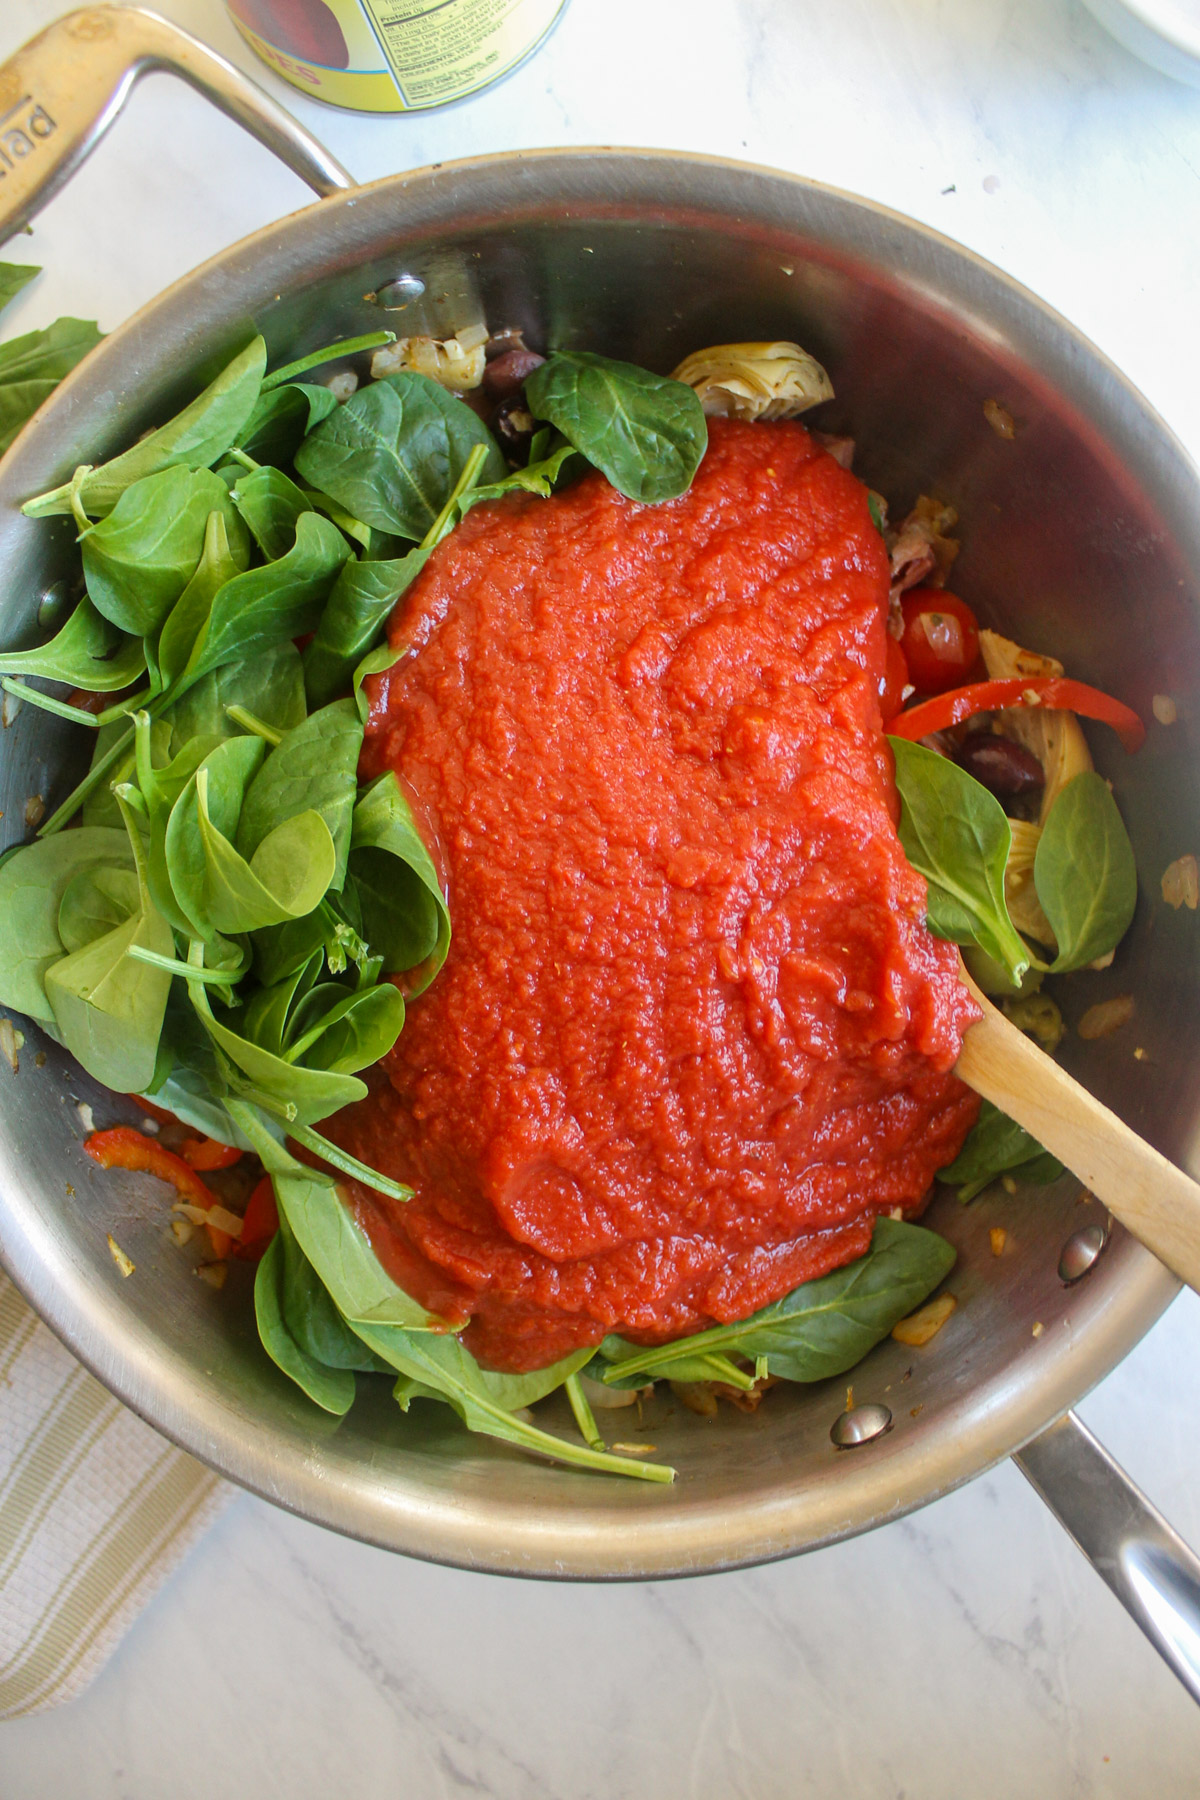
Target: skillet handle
{"x": 63, "y": 89}
{"x": 1150, "y": 1569}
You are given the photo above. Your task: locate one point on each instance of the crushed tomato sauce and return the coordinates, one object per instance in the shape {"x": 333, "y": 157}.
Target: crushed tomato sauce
{"x": 692, "y": 1034}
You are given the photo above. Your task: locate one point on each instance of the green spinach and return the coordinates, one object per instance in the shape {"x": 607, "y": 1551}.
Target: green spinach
{"x": 33, "y": 879}
{"x": 955, "y": 834}
{"x": 271, "y": 505}
{"x": 1084, "y": 873}
{"x": 996, "y": 1145}
{"x": 32, "y": 366}
{"x": 194, "y": 439}
{"x": 821, "y": 1328}
{"x": 393, "y": 453}
{"x": 404, "y": 914}
{"x": 88, "y": 652}
{"x": 313, "y": 768}
{"x": 356, "y": 612}
{"x": 331, "y": 1387}
{"x": 140, "y": 557}
{"x": 645, "y": 432}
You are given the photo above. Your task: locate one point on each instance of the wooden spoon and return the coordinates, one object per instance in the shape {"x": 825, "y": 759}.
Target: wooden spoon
{"x": 1153, "y": 1199}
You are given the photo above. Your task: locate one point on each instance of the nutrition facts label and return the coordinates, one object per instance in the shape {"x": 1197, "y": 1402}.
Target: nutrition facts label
{"x": 442, "y": 51}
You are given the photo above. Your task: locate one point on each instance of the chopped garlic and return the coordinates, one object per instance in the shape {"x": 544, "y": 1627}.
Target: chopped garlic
{"x": 926, "y": 1322}
{"x": 1105, "y": 1017}
{"x": 119, "y": 1257}
{"x": 1181, "y": 883}
{"x": 1164, "y": 709}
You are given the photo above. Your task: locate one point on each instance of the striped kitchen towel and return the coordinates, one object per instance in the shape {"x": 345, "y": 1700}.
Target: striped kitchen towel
{"x": 96, "y": 1510}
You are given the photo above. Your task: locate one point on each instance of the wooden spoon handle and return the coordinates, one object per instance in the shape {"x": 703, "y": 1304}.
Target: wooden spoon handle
{"x": 1153, "y": 1199}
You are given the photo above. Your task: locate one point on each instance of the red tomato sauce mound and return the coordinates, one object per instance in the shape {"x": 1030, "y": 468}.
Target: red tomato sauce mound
{"x": 692, "y": 1035}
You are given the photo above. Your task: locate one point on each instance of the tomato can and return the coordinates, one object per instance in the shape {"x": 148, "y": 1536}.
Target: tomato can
{"x": 393, "y": 55}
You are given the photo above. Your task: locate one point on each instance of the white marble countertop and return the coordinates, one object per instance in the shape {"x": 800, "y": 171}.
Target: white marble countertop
{"x": 967, "y": 1652}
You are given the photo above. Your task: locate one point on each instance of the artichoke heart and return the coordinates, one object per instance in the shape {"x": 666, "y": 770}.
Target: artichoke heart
{"x": 755, "y": 381}
{"x": 1024, "y": 907}
{"x": 1054, "y": 737}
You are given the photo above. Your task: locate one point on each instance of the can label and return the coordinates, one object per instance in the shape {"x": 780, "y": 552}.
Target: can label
{"x": 393, "y": 55}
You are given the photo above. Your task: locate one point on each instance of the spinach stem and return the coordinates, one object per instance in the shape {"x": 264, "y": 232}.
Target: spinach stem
{"x": 215, "y": 977}
{"x": 349, "y": 1165}
{"x": 95, "y": 775}
{"x": 466, "y": 481}
{"x": 121, "y": 707}
{"x": 77, "y": 715}
{"x": 344, "y": 521}
{"x": 247, "y": 461}
{"x": 585, "y": 1418}
{"x": 250, "y": 722}
{"x": 372, "y": 340}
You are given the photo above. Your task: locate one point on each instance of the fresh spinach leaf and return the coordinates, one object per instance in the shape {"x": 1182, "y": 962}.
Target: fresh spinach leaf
{"x": 312, "y": 1318}
{"x": 645, "y": 432}
{"x": 88, "y": 652}
{"x": 96, "y": 901}
{"x": 299, "y": 1095}
{"x": 997, "y": 1145}
{"x": 218, "y": 888}
{"x": 330, "y": 1388}
{"x": 109, "y": 1007}
{"x": 313, "y": 768}
{"x": 271, "y": 505}
{"x": 356, "y": 612}
{"x": 487, "y": 1402}
{"x": 32, "y": 366}
{"x": 220, "y": 560}
{"x": 138, "y": 560}
{"x": 539, "y": 477}
{"x": 331, "y": 1238}
{"x": 1084, "y": 873}
{"x": 283, "y": 950}
{"x": 316, "y": 359}
{"x": 281, "y": 418}
{"x": 194, "y": 439}
{"x": 955, "y": 834}
{"x": 33, "y": 880}
{"x": 392, "y": 454}
{"x": 823, "y": 1327}
{"x": 270, "y": 685}
{"x": 14, "y": 277}
{"x": 112, "y": 762}
{"x": 345, "y": 1031}
{"x": 266, "y": 606}
{"x": 404, "y": 915}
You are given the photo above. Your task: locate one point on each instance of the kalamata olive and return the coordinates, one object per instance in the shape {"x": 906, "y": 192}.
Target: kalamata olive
{"x": 1006, "y": 769}
{"x": 513, "y": 424}
{"x": 505, "y": 375}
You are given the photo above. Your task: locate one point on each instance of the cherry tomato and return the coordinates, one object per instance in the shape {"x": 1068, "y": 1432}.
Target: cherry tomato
{"x": 894, "y": 680}
{"x": 941, "y": 639}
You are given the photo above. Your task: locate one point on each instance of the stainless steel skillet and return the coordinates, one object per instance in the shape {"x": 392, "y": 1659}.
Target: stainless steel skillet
{"x": 1082, "y": 534}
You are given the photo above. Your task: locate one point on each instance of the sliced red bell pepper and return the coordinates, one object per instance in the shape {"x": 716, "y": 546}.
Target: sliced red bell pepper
{"x": 209, "y": 1153}
{"x": 124, "y": 1147}
{"x": 260, "y": 1223}
{"x": 1055, "y": 691}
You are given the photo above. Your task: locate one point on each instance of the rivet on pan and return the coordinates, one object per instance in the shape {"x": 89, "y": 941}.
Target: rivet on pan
{"x": 53, "y": 603}
{"x": 1080, "y": 1252}
{"x": 860, "y": 1425}
{"x": 394, "y": 296}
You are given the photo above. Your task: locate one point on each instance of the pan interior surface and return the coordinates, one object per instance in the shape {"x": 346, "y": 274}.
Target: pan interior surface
{"x": 1080, "y": 535}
